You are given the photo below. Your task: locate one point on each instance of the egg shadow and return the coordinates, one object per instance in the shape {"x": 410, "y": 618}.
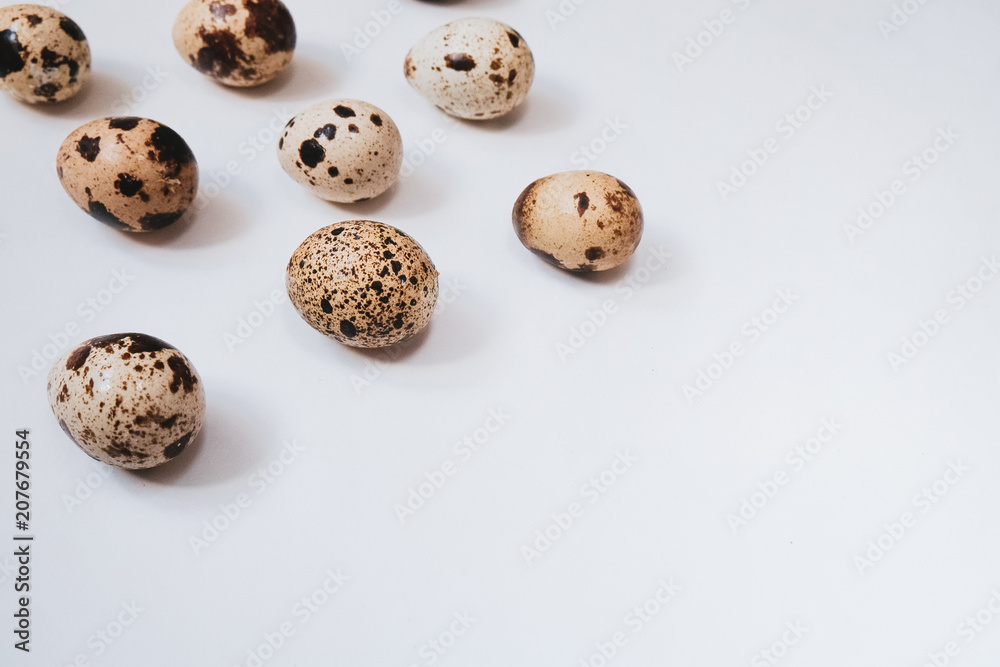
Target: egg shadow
{"x": 421, "y": 191}
{"x": 95, "y": 100}
{"x": 392, "y": 354}
{"x": 228, "y": 447}
{"x": 303, "y": 77}
{"x": 219, "y": 221}
{"x": 543, "y": 111}
{"x": 459, "y": 332}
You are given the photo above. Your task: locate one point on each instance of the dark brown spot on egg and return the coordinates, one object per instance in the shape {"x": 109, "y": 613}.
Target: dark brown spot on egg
{"x": 511, "y": 76}
{"x": 78, "y": 357}
{"x": 326, "y": 306}
{"x": 10, "y": 53}
{"x": 174, "y": 449}
{"x": 89, "y": 147}
{"x": 352, "y": 128}
{"x": 220, "y": 10}
{"x": 140, "y": 343}
{"x": 333, "y": 171}
{"x": 99, "y": 211}
{"x": 344, "y": 112}
{"x": 348, "y": 329}
{"x": 182, "y": 375}
{"x": 128, "y": 185}
{"x": 582, "y": 203}
{"x": 515, "y": 38}
{"x": 311, "y": 153}
{"x": 170, "y": 146}
{"x": 270, "y": 21}
{"x": 70, "y": 27}
{"x": 160, "y": 220}
{"x": 221, "y": 54}
{"x": 460, "y": 62}
{"x": 329, "y": 131}
{"x": 169, "y": 422}
{"x": 126, "y": 123}
{"x": 594, "y": 254}
{"x": 33, "y": 19}
{"x": 376, "y": 119}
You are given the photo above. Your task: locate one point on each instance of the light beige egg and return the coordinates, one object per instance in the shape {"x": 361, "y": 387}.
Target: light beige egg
{"x": 44, "y": 56}
{"x": 579, "y": 220}
{"x": 129, "y": 400}
{"x": 133, "y": 174}
{"x": 474, "y": 68}
{"x": 342, "y": 150}
{"x": 363, "y": 283}
{"x": 238, "y": 43}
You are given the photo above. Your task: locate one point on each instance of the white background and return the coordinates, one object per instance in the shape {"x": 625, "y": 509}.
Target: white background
{"x": 372, "y": 426}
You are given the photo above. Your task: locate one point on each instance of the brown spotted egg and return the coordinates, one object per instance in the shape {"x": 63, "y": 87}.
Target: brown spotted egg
{"x": 342, "y": 150}
{"x": 364, "y": 283}
{"x": 133, "y": 174}
{"x": 579, "y": 220}
{"x": 238, "y": 43}
{"x": 472, "y": 68}
{"x": 44, "y": 56}
{"x": 128, "y": 400}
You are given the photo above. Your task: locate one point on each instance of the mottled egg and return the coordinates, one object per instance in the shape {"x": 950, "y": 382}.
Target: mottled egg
{"x": 131, "y": 173}
{"x": 342, "y": 150}
{"x": 44, "y": 56}
{"x": 364, "y": 283}
{"x": 579, "y": 220}
{"x": 236, "y": 42}
{"x": 472, "y": 68}
{"x": 128, "y": 400}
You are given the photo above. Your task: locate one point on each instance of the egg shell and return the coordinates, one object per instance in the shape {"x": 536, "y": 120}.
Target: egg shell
{"x": 44, "y": 55}
{"x": 238, "y": 43}
{"x": 129, "y": 400}
{"x": 342, "y": 150}
{"x": 474, "y": 68}
{"x": 579, "y": 220}
{"x": 363, "y": 283}
{"x": 133, "y": 174}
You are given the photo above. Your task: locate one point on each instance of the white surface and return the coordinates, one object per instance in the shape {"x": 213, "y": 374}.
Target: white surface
{"x": 494, "y": 347}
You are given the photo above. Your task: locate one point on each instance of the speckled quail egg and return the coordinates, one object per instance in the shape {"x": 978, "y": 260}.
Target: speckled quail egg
{"x": 131, "y": 173}
{"x": 579, "y": 220}
{"x": 472, "y": 68}
{"x": 364, "y": 283}
{"x": 44, "y": 56}
{"x": 238, "y": 43}
{"x": 342, "y": 150}
{"x": 128, "y": 400}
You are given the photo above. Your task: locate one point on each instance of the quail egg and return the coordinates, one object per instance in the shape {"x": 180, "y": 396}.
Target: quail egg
{"x": 44, "y": 56}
